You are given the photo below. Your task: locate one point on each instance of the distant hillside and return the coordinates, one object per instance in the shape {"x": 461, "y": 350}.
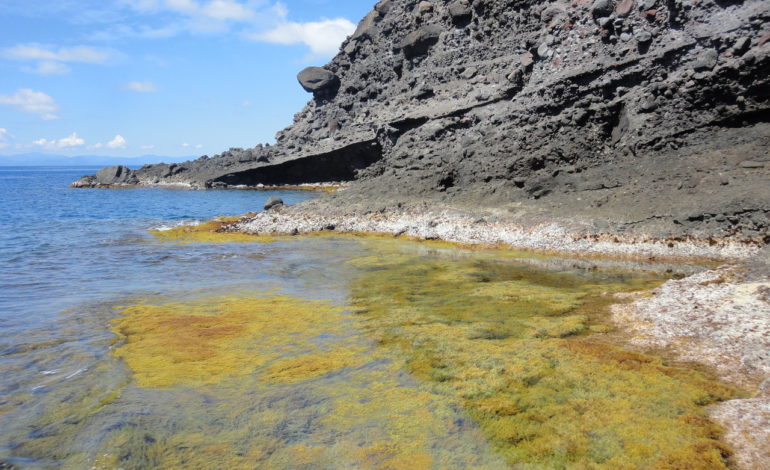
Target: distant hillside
{"x": 40, "y": 159}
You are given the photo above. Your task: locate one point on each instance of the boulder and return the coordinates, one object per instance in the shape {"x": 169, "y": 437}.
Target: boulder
{"x": 114, "y": 175}
{"x": 624, "y": 7}
{"x": 383, "y": 6}
{"x": 315, "y": 79}
{"x": 602, "y": 8}
{"x": 273, "y": 202}
{"x": 418, "y": 43}
{"x": 368, "y": 26}
{"x": 707, "y": 60}
{"x": 643, "y": 37}
{"x": 461, "y": 12}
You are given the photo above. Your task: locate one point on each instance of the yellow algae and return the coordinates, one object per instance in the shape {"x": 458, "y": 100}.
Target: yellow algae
{"x": 510, "y": 343}
{"x": 205, "y": 341}
{"x": 442, "y": 359}
{"x": 311, "y": 366}
{"x": 211, "y": 231}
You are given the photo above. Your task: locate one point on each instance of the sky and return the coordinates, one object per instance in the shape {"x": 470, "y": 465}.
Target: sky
{"x": 164, "y": 77}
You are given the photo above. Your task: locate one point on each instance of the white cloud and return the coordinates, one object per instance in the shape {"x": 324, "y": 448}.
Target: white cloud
{"x": 247, "y": 104}
{"x": 48, "y": 68}
{"x": 322, "y": 37}
{"x": 3, "y": 138}
{"x": 141, "y": 87}
{"x": 73, "y": 140}
{"x": 185, "y": 145}
{"x": 148, "y": 147}
{"x": 117, "y": 143}
{"x": 31, "y": 101}
{"x": 199, "y": 146}
{"x": 51, "y": 60}
{"x": 81, "y": 54}
{"x": 227, "y": 10}
{"x": 268, "y": 22}
{"x": 187, "y": 6}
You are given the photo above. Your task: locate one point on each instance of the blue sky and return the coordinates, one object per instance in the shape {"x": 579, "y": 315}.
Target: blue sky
{"x": 165, "y": 77}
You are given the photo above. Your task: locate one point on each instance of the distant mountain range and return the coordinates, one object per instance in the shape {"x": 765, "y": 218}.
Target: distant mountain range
{"x": 41, "y": 159}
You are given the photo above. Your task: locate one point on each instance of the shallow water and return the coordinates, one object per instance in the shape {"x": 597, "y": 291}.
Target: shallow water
{"x": 122, "y": 350}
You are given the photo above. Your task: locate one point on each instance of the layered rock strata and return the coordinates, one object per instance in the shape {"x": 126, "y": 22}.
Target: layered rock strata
{"x": 648, "y": 114}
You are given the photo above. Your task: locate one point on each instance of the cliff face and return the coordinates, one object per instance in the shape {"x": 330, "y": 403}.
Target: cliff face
{"x": 652, "y": 114}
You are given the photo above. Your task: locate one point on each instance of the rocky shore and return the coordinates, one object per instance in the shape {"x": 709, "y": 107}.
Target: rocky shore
{"x": 629, "y": 128}
{"x": 719, "y": 317}
{"x": 651, "y": 111}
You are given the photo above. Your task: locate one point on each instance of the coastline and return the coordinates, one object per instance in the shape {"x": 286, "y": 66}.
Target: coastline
{"x": 489, "y": 227}
{"x": 718, "y": 318}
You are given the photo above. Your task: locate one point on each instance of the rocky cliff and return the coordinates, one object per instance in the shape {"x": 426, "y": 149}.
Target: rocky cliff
{"x": 639, "y": 115}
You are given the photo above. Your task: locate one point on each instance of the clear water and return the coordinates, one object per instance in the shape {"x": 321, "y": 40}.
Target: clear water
{"x": 394, "y": 367}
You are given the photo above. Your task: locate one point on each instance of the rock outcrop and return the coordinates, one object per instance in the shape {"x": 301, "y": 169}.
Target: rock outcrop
{"x": 643, "y": 115}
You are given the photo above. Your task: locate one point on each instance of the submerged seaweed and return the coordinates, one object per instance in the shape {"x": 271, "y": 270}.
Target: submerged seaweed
{"x": 436, "y": 358}
{"x": 511, "y": 344}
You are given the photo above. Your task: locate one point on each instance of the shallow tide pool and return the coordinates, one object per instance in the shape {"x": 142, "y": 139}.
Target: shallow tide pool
{"x": 337, "y": 353}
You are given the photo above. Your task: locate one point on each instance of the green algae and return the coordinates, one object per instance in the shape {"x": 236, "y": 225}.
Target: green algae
{"x": 439, "y": 358}
{"x": 512, "y": 344}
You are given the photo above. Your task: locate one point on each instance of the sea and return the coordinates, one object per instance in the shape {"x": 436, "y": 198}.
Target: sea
{"x": 120, "y": 349}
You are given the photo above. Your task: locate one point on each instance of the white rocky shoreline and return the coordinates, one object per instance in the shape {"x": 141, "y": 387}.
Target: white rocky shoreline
{"x": 719, "y": 317}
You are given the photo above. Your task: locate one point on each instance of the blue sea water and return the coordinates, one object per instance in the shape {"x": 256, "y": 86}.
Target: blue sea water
{"x": 70, "y": 257}
{"x": 61, "y": 246}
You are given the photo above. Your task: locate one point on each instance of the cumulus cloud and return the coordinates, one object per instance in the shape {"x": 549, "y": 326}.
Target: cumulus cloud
{"x": 322, "y": 37}
{"x": 31, "y": 101}
{"x": 71, "y": 141}
{"x": 117, "y": 143}
{"x": 141, "y": 87}
{"x": 51, "y": 60}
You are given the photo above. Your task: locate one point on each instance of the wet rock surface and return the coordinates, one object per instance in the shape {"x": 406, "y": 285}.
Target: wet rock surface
{"x": 644, "y": 116}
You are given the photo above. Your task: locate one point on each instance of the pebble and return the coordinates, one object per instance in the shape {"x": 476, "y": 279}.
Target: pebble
{"x": 643, "y": 37}
{"x": 542, "y": 50}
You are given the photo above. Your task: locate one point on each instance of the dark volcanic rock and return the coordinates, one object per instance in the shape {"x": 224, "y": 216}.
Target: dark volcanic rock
{"x": 114, "y": 175}
{"x": 273, "y": 202}
{"x": 539, "y": 106}
{"x": 419, "y": 42}
{"x": 461, "y": 12}
{"x": 314, "y": 79}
